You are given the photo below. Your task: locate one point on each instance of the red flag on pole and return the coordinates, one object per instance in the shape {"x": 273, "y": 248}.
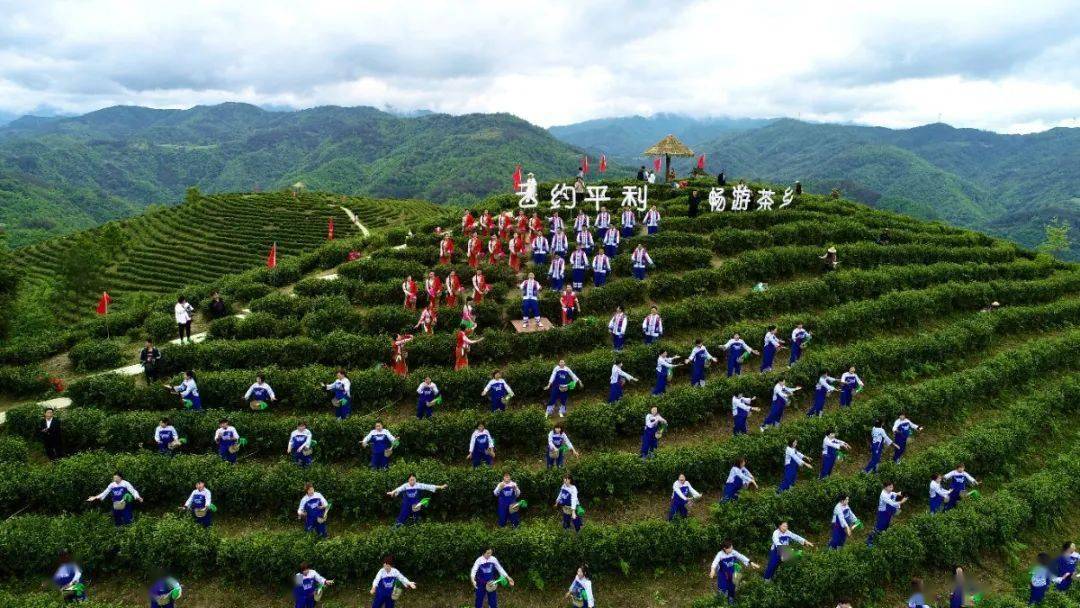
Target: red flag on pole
{"x": 517, "y": 178}
{"x": 701, "y": 162}
{"x": 656, "y": 164}
{"x": 585, "y": 164}
{"x": 103, "y": 303}
{"x": 271, "y": 260}
{"x": 603, "y": 163}
{"x": 330, "y": 230}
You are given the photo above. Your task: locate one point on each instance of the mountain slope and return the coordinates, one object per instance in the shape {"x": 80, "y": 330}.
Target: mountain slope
{"x": 625, "y": 137}
{"x": 123, "y": 158}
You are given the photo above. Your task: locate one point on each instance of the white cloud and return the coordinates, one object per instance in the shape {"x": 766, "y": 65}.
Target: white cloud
{"x": 980, "y": 64}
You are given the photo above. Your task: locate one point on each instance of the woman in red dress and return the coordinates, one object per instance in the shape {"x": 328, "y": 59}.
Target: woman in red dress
{"x": 409, "y": 289}
{"x": 569, "y": 305}
{"x": 453, "y": 288}
{"x": 399, "y": 355}
{"x": 480, "y": 287}
{"x": 461, "y": 349}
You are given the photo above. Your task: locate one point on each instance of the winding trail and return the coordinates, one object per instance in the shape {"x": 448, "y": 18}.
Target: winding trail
{"x": 352, "y": 217}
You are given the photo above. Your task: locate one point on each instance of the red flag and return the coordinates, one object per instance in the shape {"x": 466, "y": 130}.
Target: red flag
{"x": 330, "y": 230}
{"x": 603, "y": 163}
{"x": 701, "y": 162}
{"x": 656, "y": 164}
{"x": 103, "y": 303}
{"x": 585, "y": 164}
{"x": 271, "y": 260}
{"x": 517, "y": 178}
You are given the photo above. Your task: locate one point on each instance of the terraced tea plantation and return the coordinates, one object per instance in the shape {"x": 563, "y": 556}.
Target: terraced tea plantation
{"x": 997, "y": 390}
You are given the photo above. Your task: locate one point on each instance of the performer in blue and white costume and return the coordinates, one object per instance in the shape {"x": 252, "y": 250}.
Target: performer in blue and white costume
{"x": 481, "y": 447}
{"x": 1041, "y": 579}
{"x": 497, "y": 391}
{"x": 585, "y": 240}
{"x": 558, "y": 443}
{"x": 879, "y": 440}
{"x": 381, "y": 441}
{"x": 640, "y": 261}
{"x": 581, "y": 588}
{"x": 68, "y": 579}
{"x": 740, "y": 410}
{"x": 487, "y": 569}
{"x": 629, "y": 222}
{"x": 300, "y": 444}
{"x": 426, "y": 393}
{"x": 793, "y": 459}
{"x": 507, "y": 492}
{"x": 781, "y": 396}
{"x": 559, "y": 387}
{"x": 200, "y": 501}
{"x": 341, "y": 388}
{"x": 618, "y": 378}
{"x": 781, "y": 537}
{"x": 917, "y": 599}
{"x": 411, "y": 493}
{"x": 842, "y": 521}
{"x": 611, "y": 243}
{"x": 163, "y": 592}
{"x": 738, "y": 477}
{"x": 652, "y": 220}
{"x": 768, "y": 351}
{"x": 579, "y": 264}
{"x": 617, "y": 329}
{"x": 938, "y": 495}
{"x": 652, "y": 326}
{"x": 603, "y": 222}
{"x": 682, "y": 493}
{"x": 649, "y": 440}
{"x": 664, "y": 365}
{"x": 306, "y": 583}
{"x": 118, "y": 492}
{"x": 1065, "y": 565}
{"x": 889, "y": 503}
{"x": 582, "y": 222}
{"x": 164, "y": 436}
{"x": 959, "y": 478}
{"x": 530, "y": 300}
{"x": 830, "y": 451}
{"x": 260, "y": 391}
{"x": 567, "y": 500}
{"x": 798, "y": 338}
{"x": 601, "y": 266}
{"x": 312, "y": 510}
{"x": 557, "y": 272}
{"x": 735, "y": 347}
{"x": 902, "y": 429}
{"x": 386, "y": 579}
{"x": 560, "y": 245}
{"x": 850, "y": 383}
{"x": 540, "y": 249}
{"x": 699, "y": 360}
{"x": 226, "y": 437}
{"x": 821, "y": 393}
{"x": 723, "y": 569}
{"x": 555, "y": 223}
{"x": 187, "y": 389}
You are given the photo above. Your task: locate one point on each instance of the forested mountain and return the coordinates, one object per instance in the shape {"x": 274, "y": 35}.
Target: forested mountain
{"x": 1011, "y": 185}
{"x": 624, "y": 138}
{"x": 62, "y": 173}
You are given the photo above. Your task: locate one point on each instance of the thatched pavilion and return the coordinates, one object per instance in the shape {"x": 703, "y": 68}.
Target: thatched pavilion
{"x": 668, "y": 147}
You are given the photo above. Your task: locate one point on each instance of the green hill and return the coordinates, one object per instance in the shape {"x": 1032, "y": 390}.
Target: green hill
{"x": 75, "y": 172}
{"x": 996, "y": 390}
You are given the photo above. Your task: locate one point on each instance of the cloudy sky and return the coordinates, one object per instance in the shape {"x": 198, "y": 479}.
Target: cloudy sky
{"x": 1005, "y": 66}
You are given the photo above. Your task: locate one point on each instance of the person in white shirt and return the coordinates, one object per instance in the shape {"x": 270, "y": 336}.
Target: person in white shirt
{"x": 830, "y": 452}
{"x": 617, "y": 328}
{"x": 562, "y": 381}
{"x": 68, "y": 579}
{"x": 166, "y": 437}
{"x": 843, "y": 522}
{"x": 879, "y": 440}
{"x": 386, "y": 580}
{"x": 938, "y": 494}
{"x": 782, "y": 394}
{"x": 652, "y": 326}
{"x": 738, "y": 477}
{"x": 768, "y": 351}
{"x": 227, "y": 439}
{"x": 723, "y": 569}
{"x": 699, "y": 359}
{"x": 259, "y": 394}
{"x": 306, "y": 585}
{"x": 640, "y": 260}
{"x": 850, "y": 383}
{"x": 682, "y": 496}
{"x": 889, "y": 503}
{"x": 664, "y": 369}
{"x": 382, "y": 443}
{"x": 652, "y": 177}
{"x": 567, "y": 500}
{"x": 781, "y": 538}
{"x": 793, "y": 459}
{"x": 412, "y": 500}
{"x": 481, "y": 447}
{"x": 821, "y": 392}
{"x": 508, "y": 495}
{"x": 189, "y": 392}
{"x": 300, "y": 444}
{"x": 497, "y": 391}
{"x": 799, "y": 336}
{"x": 650, "y": 437}
{"x": 121, "y": 494}
{"x": 959, "y": 478}
{"x": 200, "y": 504}
{"x": 652, "y": 220}
{"x": 313, "y": 510}
{"x": 740, "y": 410}
{"x": 1041, "y": 579}
{"x": 530, "y": 299}
{"x": 486, "y": 576}
{"x": 558, "y": 444}
{"x": 618, "y": 379}
{"x": 580, "y": 592}
{"x": 182, "y": 311}
{"x": 341, "y": 388}
{"x": 902, "y": 430}
{"x": 736, "y": 348}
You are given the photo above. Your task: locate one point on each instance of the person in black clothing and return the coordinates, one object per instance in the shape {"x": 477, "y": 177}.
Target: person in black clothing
{"x": 149, "y": 356}
{"x": 217, "y": 306}
{"x": 798, "y": 188}
{"x": 50, "y": 434}
{"x": 695, "y": 202}
{"x": 720, "y": 180}
{"x": 641, "y": 173}
{"x": 883, "y": 238}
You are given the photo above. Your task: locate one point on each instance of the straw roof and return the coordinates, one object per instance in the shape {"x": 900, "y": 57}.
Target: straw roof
{"x": 299, "y": 185}
{"x": 669, "y": 145}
